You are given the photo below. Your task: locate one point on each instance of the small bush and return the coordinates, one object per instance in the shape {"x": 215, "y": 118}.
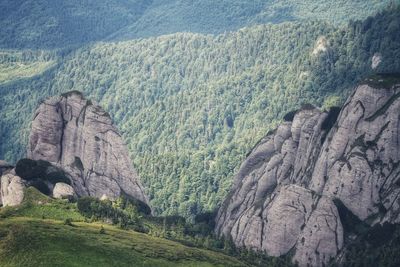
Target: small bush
{"x": 129, "y": 203}
{"x": 84, "y": 206}
{"x": 103, "y": 210}
{"x": 102, "y": 230}
{"x": 331, "y": 101}
{"x": 68, "y": 221}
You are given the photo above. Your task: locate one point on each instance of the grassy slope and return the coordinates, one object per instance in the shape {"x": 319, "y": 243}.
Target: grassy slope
{"x": 19, "y": 70}
{"x": 34, "y": 235}
{"x": 39, "y": 206}
{"x": 36, "y": 242}
{"x": 24, "y": 64}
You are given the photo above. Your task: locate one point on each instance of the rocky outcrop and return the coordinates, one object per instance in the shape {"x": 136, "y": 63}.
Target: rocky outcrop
{"x": 62, "y": 191}
{"x": 284, "y": 196}
{"x": 78, "y": 136}
{"x": 5, "y": 168}
{"x": 360, "y": 165}
{"x": 12, "y": 190}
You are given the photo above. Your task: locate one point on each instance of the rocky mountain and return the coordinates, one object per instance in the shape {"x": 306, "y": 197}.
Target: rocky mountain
{"x": 295, "y": 191}
{"x": 74, "y": 149}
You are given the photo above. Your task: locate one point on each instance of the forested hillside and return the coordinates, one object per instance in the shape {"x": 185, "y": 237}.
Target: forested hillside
{"x": 191, "y": 106}
{"x": 210, "y": 16}
{"x": 51, "y": 24}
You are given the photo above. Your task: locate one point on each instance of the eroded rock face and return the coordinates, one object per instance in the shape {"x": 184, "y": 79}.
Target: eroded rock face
{"x": 12, "y": 190}
{"x": 362, "y": 158}
{"x": 283, "y": 197}
{"x": 62, "y": 191}
{"x": 322, "y": 236}
{"x": 78, "y": 136}
{"x": 270, "y": 204}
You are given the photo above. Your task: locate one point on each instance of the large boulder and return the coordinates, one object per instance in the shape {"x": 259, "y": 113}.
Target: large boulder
{"x": 79, "y": 136}
{"x": 62, "y": 191}
{"x": 12, "y": 190}
{"x": 285, "y": 196}
{"x": 5, "y": 168}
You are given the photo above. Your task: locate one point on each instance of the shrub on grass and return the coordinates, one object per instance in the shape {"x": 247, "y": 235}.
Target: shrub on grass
{"x": 68, "y": 221}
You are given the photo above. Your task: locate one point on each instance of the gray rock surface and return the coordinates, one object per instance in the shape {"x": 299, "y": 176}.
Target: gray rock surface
{"x": 62, "y": 191}
{"x": 362, "y": 159}
{"x": 322, "y": 236}
{"x": 282, "y": 198}
{"x": 78, "y": 136}
{"x": 12, "y": 190}
{"x": 5, "y": 168}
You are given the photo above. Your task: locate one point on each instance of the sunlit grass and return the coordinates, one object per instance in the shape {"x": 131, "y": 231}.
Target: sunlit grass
{"x": 35, "y": 242}
{"x": 19, "y": 70}
{"x": 36, "y": 234}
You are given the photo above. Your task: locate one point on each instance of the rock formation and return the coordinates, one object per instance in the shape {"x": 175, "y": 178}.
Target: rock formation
{"x": 5, "y": 168}
{"x": 12, "y": 190}
{"x": 62, "y": 190}
{"x": 285, "y": 194}
{"x": 78, "y": 136}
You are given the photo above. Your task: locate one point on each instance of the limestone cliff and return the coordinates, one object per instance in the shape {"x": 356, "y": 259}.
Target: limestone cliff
{"x": 79, "y": 136}
{"x": 285, "y": 196}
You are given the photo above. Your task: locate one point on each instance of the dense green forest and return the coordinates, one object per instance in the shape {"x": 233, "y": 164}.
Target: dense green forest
{"x": 190, "y": 106}
{"x": 209, "y": 16}
{"x": 51, "y": 24}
